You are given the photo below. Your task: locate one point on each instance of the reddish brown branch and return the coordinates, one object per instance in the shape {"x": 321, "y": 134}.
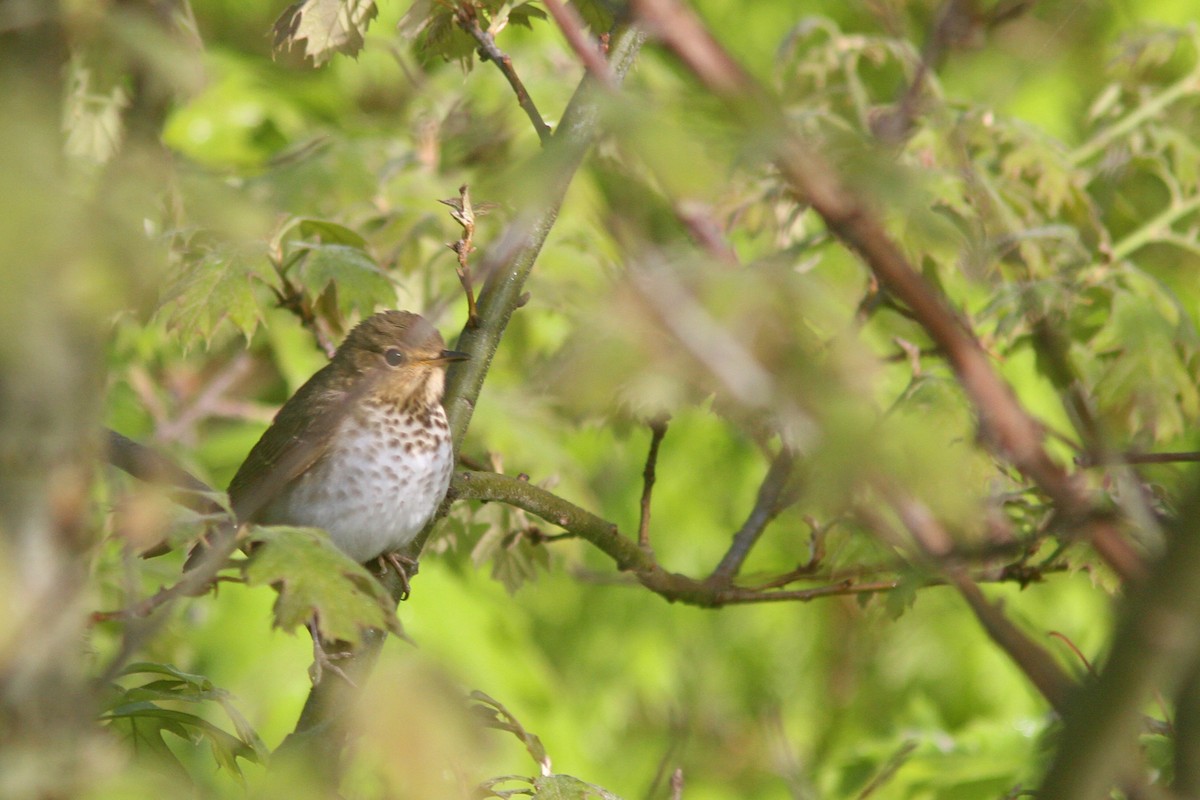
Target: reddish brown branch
{"x": 658, "y": 429}
{"x": 1006, "y": 428}
{"x": 770, "y": 501}
{"x": 587, "y": 48}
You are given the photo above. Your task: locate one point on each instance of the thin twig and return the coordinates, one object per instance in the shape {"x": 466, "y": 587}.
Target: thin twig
{"x": 205, "y": 403}
{"x": 771, "y": 500}
{"x": 933, "y": 543}
{"x": 291, "y": 297}
{"x": 1186, "y": 456}
{"x": 699, "y": 221}
{"x": 658, "y": 429}
{"x": 465, "y": 213}
{"x": 465, "y": 16}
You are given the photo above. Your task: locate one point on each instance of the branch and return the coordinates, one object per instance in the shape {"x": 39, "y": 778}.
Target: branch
{"x": 508, "y": 262}
{"x": 771, "y": 500}
{"x": 505, "y": 269}
{"x": 628, "y": 556}
{"x": 1006, "y": 428}
{"x": 152, "y": 467}
{"x": 933, "y": 544}
{"x": 587, "y": 48}
{"x": 465, "y": 214}
{"x": 464, "y": 15}
{"x": 1156, "y": 647}
{"x": 658, "y": 429}
{"x": 1187, "y": 456}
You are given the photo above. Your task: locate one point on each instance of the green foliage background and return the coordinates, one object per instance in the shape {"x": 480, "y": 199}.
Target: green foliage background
{"x": 270, "y": 159}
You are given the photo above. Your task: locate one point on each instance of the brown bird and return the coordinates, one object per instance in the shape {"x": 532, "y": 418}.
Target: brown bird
{"x": 363, "y": 448}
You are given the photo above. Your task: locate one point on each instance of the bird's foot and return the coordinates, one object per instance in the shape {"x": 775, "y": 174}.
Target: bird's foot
{"x": 323, "y": 659}
{"x": 404, "y": 567}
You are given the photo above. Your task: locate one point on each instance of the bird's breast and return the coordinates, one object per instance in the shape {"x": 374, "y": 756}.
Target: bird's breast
{"x": 380, "y": 481}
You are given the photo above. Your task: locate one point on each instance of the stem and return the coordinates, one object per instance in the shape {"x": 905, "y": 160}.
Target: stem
{"x": 1154, "y": 229}
{"x": 1151, "y": 108}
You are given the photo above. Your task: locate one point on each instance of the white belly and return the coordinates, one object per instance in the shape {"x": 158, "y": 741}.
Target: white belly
{"x": 372, "y": 493}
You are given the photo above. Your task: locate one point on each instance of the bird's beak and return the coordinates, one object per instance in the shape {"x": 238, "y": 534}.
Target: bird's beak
{"x": 446, "y": 356}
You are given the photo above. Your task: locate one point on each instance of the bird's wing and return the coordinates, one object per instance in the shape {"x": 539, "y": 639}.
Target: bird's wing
{"x": 297, "y": 439}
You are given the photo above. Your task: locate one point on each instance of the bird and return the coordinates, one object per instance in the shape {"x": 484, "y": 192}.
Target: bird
{"x": 363, "y": 448}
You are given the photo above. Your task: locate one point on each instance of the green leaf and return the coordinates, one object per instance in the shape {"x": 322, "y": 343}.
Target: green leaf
{"x": 226, "y": 748}
{"x": 567, "y": 787}
{"x": 349, "y": 273}
{"x": 217, "y": 287}
{"x": 431, "y": 26}
{"x": 320, "y": 28}
{"x": 314, "y": 578}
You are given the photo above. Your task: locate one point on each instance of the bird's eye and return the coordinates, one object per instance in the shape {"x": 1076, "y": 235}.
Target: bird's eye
{"x": 393, "y": 357}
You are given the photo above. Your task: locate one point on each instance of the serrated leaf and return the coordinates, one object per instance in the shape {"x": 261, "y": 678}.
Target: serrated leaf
{"x": 314, "y": 578}
{"x": 568, "y": 787}
{"x": 320, "y": 28}
{"x": 142, "y": 667}
{"x": 227, "y": 749}
{"x": 217, "y": 287}
{"x": 347, "y": 271}
{"x": 524, "y": 14}
{"x": 180, "y": 686}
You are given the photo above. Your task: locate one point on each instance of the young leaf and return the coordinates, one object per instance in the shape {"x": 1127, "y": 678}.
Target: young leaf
{"x": 320, "y": 28}
{"x": 214, "y": 288}
{"x": 315, "y": 579}
{"x": 358, "y": 284}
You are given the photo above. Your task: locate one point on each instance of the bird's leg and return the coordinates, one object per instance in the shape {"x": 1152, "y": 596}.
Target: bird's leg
{"x": 323, "y": 660}
{"x": 403, "y": 565}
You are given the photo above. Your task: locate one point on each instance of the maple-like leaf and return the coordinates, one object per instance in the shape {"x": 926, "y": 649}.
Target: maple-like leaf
{"x": 316, "y": 580}
{"x": 320, "y": 28}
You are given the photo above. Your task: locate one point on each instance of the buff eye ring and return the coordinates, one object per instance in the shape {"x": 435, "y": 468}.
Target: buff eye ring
{"x": 393, "y": 357}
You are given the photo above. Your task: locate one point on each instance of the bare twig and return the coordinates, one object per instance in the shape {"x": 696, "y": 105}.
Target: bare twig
{"x": 152, "y": 467}
{"x": 465, "y": 213}
{"x": 206, "y": 403}
{"x": 658, "y": 429}
{"x": 1184, "y": 457}
{"x": 465, "y": 17}
{"x": 292, "y": 298}
{"x": 605, "y": 535}
{"x": 706, "y": 232}
{"x": 933, "y": 544}
{"x": 771, "y": 500}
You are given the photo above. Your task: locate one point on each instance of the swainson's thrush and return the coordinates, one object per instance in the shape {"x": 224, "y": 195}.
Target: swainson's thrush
{"x": 363, "y": 448}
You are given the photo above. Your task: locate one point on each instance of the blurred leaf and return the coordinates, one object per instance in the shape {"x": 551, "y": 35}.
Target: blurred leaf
{"x": 146, "y": 722}
{"x": 432, "y": 27}
{"x": 320, "y": 28}
{"x": 219, "y": 286}
{"x": 317, "y": 581}
{"x": 345, "y": 273}
{"x": 568, "y": 787}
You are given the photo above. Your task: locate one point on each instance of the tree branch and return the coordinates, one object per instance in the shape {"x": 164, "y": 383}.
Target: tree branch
{"x": 658, "y": 429}
{"x": 771, "y": 500}
{"x": 464, "y": 15}
{"x": 505, "y": 269}
{"x": 1006, "y": 428}
{"x": 628, "y": 556}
